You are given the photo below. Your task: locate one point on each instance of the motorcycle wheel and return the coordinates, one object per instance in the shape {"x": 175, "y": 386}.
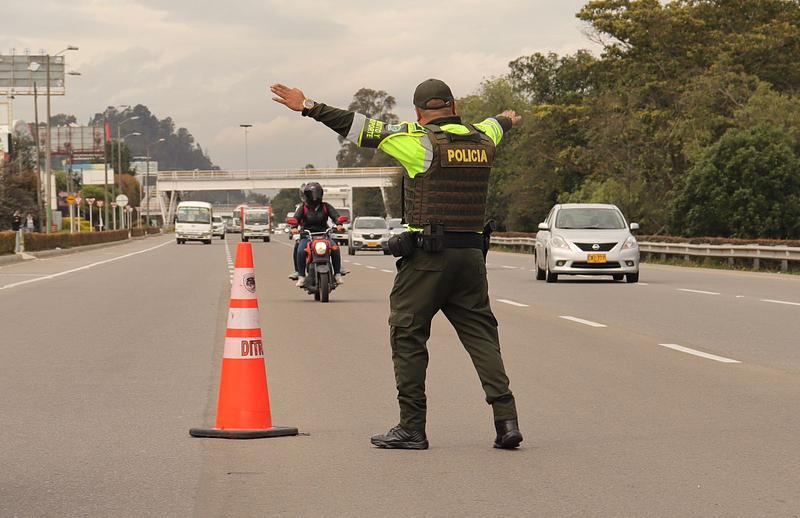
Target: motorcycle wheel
{"x": 324, "y": 288}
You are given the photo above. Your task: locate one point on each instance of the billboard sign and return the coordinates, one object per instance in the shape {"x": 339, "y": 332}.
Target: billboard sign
{"x": 74, "y": 141}
{"x": 19, "y": 73}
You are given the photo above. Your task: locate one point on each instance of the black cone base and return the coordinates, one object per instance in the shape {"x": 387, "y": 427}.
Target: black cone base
{"x": 216, "y": 433}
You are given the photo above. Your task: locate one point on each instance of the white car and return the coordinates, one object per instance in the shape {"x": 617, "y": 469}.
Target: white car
{"x": 218, "y": 225}
{"x": 396, "y": 226}
{"x": 586, "y": 239}
{"x": 369, "y": 233}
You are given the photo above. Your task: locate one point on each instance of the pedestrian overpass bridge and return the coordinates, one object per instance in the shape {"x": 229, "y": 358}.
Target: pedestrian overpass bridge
{"x": 172, "y": 182}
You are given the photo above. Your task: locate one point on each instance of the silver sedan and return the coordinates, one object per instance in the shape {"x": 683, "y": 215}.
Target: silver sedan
{"x": 586, "y": 239}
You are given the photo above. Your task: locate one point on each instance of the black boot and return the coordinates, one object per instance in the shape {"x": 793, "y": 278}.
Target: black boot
{"x": 402, "y": 439}
{"x": 508, "y": 434}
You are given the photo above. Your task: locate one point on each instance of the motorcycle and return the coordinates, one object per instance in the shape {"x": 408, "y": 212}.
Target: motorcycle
{"x": 320, "y": 280}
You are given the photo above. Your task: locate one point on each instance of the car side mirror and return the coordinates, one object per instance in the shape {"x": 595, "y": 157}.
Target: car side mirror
{"x": 292, "y": 221}
{"x": 342, "y": 220}
{"x": 634, "y": 226}
{"x": 544, "y": 226}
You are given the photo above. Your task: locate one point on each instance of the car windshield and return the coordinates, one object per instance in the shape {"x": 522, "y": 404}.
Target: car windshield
{"x": 599, "y": 219}
{"x": 370, "y": 223}
{"x": 395, "y": 223}
{"x": 216, "y": 219}
{"x": 260, "y": 217}
{"x": 194, "y": 215}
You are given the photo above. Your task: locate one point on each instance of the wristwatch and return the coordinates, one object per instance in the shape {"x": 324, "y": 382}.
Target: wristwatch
{"x": 308, "y": 104}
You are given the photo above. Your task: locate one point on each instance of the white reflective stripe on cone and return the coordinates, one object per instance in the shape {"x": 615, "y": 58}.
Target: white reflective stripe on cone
{"x": 244, "y": 284}
{"x": 249, "y": 348}
{"x": 243, "y": 318}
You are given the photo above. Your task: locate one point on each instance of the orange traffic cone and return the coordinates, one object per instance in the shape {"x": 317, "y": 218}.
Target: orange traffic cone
{"x": 243, "y": 410}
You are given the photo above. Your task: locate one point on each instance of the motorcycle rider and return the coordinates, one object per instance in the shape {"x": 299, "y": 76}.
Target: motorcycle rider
{"x": 313, "y": 216}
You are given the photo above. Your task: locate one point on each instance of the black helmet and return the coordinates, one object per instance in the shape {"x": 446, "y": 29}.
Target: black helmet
{"x": 312, "y": 193}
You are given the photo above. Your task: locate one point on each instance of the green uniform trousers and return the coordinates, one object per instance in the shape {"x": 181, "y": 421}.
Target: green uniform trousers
{"x": 453, "y": 281}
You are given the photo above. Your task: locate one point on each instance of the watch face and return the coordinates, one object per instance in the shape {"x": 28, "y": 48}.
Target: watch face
{"x": 308, "y": 104}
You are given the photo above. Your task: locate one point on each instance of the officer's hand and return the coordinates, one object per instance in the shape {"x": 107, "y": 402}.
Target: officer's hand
{"x": 509, "y": 114}
{"x": 290, "y": 97}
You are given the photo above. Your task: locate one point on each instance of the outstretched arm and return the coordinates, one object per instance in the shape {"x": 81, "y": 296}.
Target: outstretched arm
{"x": 355, "y": 127}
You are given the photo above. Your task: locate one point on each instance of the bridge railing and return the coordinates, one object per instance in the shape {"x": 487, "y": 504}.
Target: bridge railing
{"x": 754, "y": 253}
{"x": 253, "y": 174}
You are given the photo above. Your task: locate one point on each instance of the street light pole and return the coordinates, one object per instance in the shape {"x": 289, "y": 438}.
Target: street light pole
{"x": 246, "y": 157}
{"x": 47, "y": 165}
{"x": 119, "y": 148}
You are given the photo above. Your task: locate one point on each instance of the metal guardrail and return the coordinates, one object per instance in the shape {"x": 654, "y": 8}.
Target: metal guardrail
{"x": 351, "y": 172}
{"x": 754, "y": 253}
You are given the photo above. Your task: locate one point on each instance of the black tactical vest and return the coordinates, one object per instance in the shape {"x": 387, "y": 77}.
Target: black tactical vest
{"x": 453, "y": 190}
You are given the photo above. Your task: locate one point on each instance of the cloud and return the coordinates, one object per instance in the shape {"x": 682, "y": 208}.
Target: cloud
{"x": 207, "y": 64}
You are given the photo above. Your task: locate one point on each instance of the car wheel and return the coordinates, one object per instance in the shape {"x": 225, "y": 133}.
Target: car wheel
{"x": 207, "y": 242}
{"x": 540, "y": 274}
{"x": 266, "y": 239}
{"x": 386, "y": 252}
{"x": 178, "y": 241}
{"x": 548, "y": 275}
{"x": 222, "y": 236}
{"x": 618, "y": 276}
{"x": 245, "y": 239}
{"x": 351, "y": 250}
{"x": 632, "y": 277}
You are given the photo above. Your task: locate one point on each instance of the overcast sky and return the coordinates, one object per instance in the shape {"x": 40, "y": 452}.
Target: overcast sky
{"x": 208, "y": 64}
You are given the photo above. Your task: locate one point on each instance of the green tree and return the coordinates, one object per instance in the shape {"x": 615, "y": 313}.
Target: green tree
{"x": 376, "y": 104}
{"x": 746, "y": 186}
{"x": 18, "y": 182}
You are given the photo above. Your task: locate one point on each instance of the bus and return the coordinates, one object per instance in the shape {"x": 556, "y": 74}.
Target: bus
{"x": 193, "y": 222}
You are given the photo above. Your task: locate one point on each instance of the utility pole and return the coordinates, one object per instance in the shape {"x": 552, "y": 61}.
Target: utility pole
{"x": 47, "y": 145}
{"x": 38, "y": 154}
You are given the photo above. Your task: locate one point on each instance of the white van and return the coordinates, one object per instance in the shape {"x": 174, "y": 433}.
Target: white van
{"x": 193, "y": 222}
{"x": 257, "y": 224}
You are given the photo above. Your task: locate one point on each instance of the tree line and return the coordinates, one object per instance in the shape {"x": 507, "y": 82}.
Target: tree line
{"x": 688, "y": 119}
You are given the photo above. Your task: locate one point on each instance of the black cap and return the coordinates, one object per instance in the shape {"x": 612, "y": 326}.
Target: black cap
{"x": 431, "y": 89}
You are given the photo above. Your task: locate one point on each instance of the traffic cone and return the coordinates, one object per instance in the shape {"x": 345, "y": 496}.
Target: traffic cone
{"x": 243, "y": 410}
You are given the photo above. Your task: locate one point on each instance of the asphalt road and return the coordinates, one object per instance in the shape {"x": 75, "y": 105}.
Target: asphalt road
{"x": 675, "y": 397}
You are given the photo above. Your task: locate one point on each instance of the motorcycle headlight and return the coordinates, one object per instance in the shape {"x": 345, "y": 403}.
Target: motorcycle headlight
{"x": 321, "y": 248}
{"x": 559, "y": 242}
{"x": 630, "y": 243}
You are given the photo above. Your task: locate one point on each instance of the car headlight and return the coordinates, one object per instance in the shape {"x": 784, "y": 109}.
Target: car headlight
{"x": 321, "y": 247}
{"x": 630, "y": 243}
{"x": 559, "y": 242}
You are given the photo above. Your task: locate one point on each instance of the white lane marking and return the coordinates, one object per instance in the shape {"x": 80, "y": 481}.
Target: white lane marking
{"x": 582, "y": 321}
{"x": 347, "y": 260}
{"x": 784, "y": 302}
{"x": 512, "y": 303}
{"x": 357, "y": 264}
{"x": 371, "y": 267}
{"x": 739, "y": 296}
{"x": 85, "y": 267}
{"x": 387, "y": 271}
{"x": 701, "y": 354}
{"x": 698, "y": 291}
{"x": 509, "y": 267}
{"x": 643, "y": 284}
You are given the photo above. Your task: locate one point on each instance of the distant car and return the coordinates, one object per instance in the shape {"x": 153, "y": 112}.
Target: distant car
{"x": 368, "y": 233}
{"x": 586, "y": 239}
{"x": 218, "y": 225}
{"x": 395, "y": 226}
{"x": 235, "y": 225}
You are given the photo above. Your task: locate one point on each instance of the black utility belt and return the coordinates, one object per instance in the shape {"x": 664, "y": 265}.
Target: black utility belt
{"x": 405, "y": 244}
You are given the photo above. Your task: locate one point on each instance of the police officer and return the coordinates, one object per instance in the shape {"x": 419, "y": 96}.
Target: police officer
{"x": 442, "y": 267}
